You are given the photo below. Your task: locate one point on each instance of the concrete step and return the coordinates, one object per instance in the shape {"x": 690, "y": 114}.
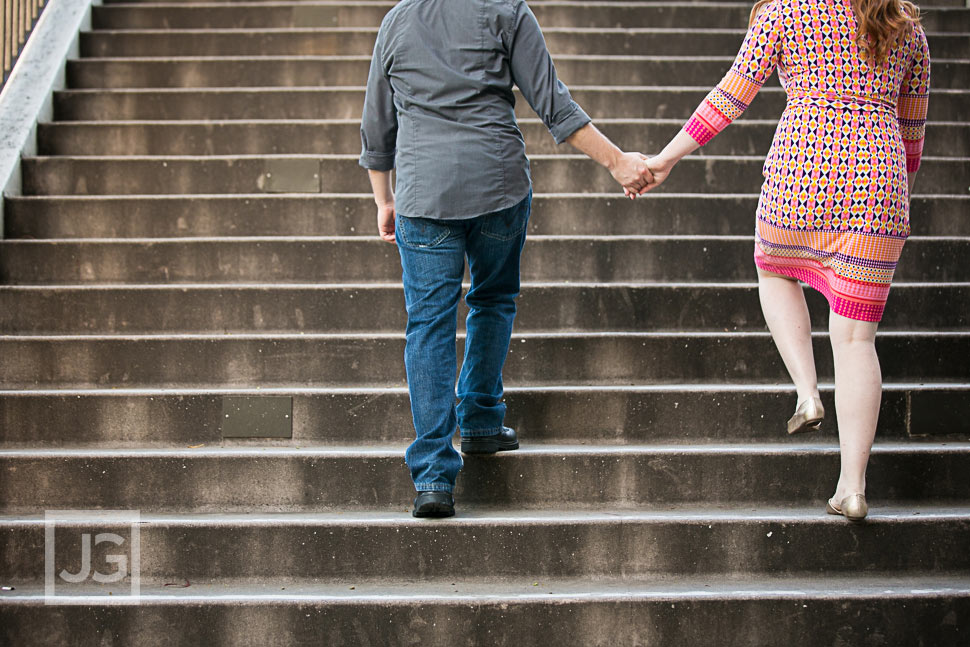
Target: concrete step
{"x": 601, "y": 102}
{"x": 614, "y": 359}
{"x": 351, "y": 546}
{"x": 312, "y": 479}
{"x": 103, "y": 138}
{"x": 181, "y": 15}
{"x": 257, "y": 15}
{"x": 564, "y": 307}
{"x": 667, "y": 413}
{"x": 337, "y": 260}
{"x": 353, "y": 215}
{"x": 342, "y": 174}
{"x": 305, "y": 71}
{"x": 714, "y": 14}
{"x": 516, "y": 610}
{"x": 360, "y": 40}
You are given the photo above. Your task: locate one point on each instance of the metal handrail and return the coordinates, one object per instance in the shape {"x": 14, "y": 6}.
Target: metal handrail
{"x": 16, "y": 22}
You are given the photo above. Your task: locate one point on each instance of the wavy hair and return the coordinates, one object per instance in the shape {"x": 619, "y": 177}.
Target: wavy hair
{"x": 882, "y": 24}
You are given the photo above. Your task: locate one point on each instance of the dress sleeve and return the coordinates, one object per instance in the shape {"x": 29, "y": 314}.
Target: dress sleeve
{"x": 914, "y": 99}
{"x": 760, "y": 54}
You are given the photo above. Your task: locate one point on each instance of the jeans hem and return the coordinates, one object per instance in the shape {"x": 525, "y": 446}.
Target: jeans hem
{"x": 478, "y": 433}
{"x": 433, "y": 487}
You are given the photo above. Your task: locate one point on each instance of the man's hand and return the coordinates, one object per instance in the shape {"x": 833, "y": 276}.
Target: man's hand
{"x": 385, "y": 221}
{"x": 380, "y": 182}
{"x": 631, "y": 171}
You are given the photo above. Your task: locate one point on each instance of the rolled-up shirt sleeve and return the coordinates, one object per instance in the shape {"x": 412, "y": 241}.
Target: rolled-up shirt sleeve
{"x": 378, "y": 123}
{"x": 533, "y": 71}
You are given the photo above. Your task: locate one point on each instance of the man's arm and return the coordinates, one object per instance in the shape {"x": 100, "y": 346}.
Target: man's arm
{"x": 378, "y": 134}
{"x": 629, "y": 169}
{"x": 533, "y": 71}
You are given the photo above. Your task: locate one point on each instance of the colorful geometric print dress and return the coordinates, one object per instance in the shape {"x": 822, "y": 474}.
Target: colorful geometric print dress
{"x": 834, "y": 207}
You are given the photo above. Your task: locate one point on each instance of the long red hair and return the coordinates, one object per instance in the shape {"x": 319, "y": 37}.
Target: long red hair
{"x": 882, "y": 23}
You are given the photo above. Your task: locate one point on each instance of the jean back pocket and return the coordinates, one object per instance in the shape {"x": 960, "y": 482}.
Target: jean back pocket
{"x": 507, "y": 224}
{"x": 422, "y": 232}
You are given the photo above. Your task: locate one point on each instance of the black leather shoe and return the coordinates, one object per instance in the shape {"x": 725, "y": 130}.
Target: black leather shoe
{"x": 434, "y": 504}
{"x": 503, "y": 441}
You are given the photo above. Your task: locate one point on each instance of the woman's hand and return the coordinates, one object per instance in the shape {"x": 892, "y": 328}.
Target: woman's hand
{"x": 660, "y": 169}
{"x": 660, "y": 166}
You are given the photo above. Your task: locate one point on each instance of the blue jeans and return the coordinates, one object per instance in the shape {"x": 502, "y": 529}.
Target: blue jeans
{"x": 433, "y": 256}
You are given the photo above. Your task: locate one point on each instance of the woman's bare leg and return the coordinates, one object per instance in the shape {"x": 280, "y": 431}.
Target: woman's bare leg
{"x": 786, "y": 314}
{"x": 858, "y": 393}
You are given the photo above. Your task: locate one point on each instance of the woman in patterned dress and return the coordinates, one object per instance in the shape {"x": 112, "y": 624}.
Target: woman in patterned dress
{"x": 834, "y": 207}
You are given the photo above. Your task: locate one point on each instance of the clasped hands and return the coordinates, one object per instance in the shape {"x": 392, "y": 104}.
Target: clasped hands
{"x": 637, "y": 173}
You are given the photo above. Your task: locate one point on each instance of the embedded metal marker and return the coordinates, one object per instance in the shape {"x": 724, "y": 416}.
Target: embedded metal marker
{"x": 257, "y": 417}
{"x": 290, "y": 176}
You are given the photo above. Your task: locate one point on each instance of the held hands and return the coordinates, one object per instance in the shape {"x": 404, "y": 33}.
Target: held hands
{"x": 630, "y": 170}
{"x": 660, "y": 166}
{"x": 656, "y": 172}
{"x": 385, "y": 221}
{"x": 638, "y": 174}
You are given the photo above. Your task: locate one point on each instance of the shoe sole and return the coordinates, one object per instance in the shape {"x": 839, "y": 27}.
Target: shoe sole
{"x": 831, "y": 509}
{"x": 805, "y": 427}
{"x": 486, "y": 446}
{"x": 434, "y": 510}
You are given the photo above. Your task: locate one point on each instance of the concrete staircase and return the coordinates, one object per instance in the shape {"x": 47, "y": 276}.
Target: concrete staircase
{"x": 196, "y": 240}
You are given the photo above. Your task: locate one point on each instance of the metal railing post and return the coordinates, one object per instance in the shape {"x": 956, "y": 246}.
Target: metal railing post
{"x": 17, "y": 20}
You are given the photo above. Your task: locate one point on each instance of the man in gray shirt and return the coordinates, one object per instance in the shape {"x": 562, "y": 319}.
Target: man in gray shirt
{"x": 440, "y": 110}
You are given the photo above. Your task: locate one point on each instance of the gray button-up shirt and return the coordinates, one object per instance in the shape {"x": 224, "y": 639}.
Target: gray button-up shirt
{"x": 439, "y": 103}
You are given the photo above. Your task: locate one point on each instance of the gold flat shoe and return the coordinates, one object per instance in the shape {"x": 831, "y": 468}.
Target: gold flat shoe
{"x": 808, "y": 417}
{"x": 853, "y": 507}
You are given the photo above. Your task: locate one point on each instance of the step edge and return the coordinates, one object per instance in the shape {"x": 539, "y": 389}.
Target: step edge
{"x": 394, "y": 451}
{"x": 480, "y": 516}
{"x": 521, "y": 336}
{"x": 809, "y": 586}
{"x": 825, "y": 387}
